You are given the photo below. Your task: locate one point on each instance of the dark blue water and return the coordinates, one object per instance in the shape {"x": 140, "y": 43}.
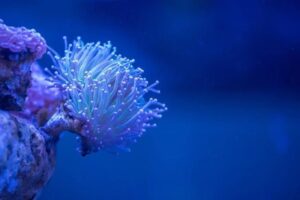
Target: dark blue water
{"x": 230, "y": 75}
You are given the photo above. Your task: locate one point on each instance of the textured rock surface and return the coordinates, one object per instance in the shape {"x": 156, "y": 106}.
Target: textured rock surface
{"x": 27, "y": 159}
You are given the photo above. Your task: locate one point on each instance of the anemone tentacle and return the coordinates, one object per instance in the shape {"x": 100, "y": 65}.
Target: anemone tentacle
{"x": 108, "y": 91}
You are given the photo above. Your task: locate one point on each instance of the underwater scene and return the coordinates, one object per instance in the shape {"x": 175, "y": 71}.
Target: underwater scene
{"x": 149, "y": 100}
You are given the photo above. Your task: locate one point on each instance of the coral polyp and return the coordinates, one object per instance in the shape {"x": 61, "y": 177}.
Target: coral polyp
{"x": 107, "y": 91}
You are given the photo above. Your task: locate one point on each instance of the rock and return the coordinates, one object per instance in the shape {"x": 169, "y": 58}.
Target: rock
{"x": 27, "y": 158}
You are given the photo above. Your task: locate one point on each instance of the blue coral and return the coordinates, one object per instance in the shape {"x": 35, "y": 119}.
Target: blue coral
{"x": 107, "y": 91}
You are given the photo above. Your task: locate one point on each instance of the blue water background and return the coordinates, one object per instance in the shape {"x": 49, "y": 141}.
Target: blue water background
{"x": 230, "y": 75}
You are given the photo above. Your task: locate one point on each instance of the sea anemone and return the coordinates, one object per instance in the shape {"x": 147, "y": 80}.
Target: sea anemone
{"x": 107, "y": 91}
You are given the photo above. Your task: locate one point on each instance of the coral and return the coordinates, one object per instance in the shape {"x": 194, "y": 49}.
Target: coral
{"x": 42, "y": 98}
{"x": 19, "y": 48}
{"x": 108, "y": 92}
{"x": 91, "y": 91}
{"x": 27, "y": 155}
{"x": 21, "y": 39}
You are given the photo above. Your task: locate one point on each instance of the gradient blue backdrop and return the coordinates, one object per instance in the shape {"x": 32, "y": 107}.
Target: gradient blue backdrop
{"x": 230, "y": 74}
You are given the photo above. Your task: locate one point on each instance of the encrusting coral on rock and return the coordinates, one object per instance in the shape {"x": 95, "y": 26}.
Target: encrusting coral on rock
{"x": 19, "y": 48}
{"x": 27, "y": 155}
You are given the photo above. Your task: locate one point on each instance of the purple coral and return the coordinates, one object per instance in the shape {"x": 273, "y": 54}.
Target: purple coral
{"x": 42, "y": 98}
{"x": 21, "y": 39}
{"x": 27, "y": 155}
{"x": 19, "y": 48}
{"x": 108, "y": 92}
